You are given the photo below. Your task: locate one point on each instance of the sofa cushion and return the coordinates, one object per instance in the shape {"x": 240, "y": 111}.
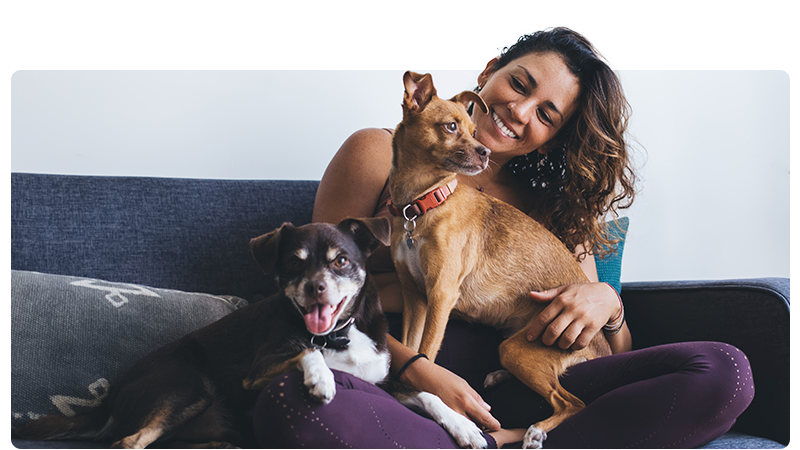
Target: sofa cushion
{"x": 187, "y": 234}
{"x": 71, "y": 338}
{"x": 609, "y": 268}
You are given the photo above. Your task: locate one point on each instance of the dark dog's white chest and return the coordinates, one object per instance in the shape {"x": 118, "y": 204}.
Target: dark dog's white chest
{"x": 361, "y": 358}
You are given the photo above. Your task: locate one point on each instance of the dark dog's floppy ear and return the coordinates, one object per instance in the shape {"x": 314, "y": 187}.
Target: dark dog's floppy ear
{"x": 419, "y": 91}
{"x": 265, "y": 247}
{"x": 368, "y": 233}
{"x": 471, "y": 96}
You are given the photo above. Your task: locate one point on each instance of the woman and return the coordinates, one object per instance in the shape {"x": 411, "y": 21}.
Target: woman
{"x": 556, "y": 124}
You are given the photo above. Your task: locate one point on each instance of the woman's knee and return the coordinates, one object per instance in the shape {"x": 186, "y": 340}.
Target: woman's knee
{"x": 732, "y": 376}
{"x": 720, "y": 374}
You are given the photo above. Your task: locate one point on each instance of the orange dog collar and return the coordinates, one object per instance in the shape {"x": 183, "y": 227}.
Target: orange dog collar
{"x": 425, "y": 203}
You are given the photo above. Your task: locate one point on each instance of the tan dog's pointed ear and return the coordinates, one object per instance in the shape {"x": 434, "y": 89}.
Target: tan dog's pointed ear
{"x": 471, "y": 96}
{"x": 265, "y": 247}
{"x": 368, "y": 233}
{"x": 419, "y": 91}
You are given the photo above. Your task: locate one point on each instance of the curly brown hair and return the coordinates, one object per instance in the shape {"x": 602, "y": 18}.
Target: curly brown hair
{"x": 586, "y": 173}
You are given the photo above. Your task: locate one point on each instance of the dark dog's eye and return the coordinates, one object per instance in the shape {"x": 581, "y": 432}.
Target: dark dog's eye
{"x": 451, "y": 127}
{"x": 294, "y": 264}
{"x": 341, "y": 262}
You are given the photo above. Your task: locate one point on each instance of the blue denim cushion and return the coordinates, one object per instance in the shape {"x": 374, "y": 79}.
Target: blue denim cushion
{"x": 187, "y": 234}
{"x": 71, "y": 337}
{"x": 609, "y": 268}
{"x": 733, "y": 439}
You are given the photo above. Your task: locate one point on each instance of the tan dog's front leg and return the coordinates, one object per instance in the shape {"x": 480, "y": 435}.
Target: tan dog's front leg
{"x": 414, "y": 310}
{"x": 442, "y": 298}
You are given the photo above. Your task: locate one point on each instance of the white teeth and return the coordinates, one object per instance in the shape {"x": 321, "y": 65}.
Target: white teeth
{"x": 502, "y": 126}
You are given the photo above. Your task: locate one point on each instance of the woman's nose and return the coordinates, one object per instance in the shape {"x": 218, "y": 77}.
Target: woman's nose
{"x": 520, "y": 110}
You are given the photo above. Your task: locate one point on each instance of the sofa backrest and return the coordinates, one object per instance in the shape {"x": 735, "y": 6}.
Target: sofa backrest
{"x": 185, "y": 234}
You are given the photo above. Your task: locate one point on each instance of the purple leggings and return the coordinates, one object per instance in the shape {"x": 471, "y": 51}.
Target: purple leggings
{"x": 678, "y": 395}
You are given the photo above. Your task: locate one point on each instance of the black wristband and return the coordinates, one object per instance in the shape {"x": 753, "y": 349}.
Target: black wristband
{"x": 408, "y": 364}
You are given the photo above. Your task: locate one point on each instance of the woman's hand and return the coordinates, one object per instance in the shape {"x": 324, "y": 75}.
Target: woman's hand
{"x": 454, "y": 391}
{"x": 575, "y": 313}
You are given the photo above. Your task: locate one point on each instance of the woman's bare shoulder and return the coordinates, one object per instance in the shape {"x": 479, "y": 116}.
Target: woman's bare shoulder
{"x": 355, "y": 177}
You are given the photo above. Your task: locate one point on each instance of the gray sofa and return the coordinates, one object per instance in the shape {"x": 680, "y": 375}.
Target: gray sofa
{"x": 105, "y": 269}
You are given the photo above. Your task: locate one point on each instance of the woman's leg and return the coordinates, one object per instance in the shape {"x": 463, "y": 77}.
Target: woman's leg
{"x": 678, "y": 395}
{"x": 361, "y": 415}
{"x": 675, "y": 395}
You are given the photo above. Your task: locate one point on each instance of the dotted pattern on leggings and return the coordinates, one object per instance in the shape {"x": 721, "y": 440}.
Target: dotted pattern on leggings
{"x": 743, "y": 392}
{"x": 306, "y": 413}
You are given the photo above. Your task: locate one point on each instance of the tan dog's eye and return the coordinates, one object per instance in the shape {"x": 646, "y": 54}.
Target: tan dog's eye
{"x": 451, "y": 127}
{"x": 341, "y": 262}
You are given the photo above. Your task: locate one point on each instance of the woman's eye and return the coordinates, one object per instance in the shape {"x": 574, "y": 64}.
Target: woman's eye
{"x": 517, "y": 84}
{"x": 451, "y": 127}
{"x": 545, "y": 117}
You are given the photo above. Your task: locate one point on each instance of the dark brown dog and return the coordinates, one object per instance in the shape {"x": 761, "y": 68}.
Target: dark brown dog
{"x": 326, "y": 316}
{"x": 457, "y": 249}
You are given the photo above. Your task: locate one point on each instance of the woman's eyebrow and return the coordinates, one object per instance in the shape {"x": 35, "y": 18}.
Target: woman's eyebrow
{"x": 534, "y": 83}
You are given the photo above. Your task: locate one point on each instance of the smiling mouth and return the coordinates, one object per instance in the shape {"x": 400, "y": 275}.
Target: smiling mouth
{"x": 320, "y": 318}
{"x": 503, "y": 127}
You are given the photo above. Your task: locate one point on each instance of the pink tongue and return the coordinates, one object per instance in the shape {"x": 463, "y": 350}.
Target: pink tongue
{"x": 319, "y": 318}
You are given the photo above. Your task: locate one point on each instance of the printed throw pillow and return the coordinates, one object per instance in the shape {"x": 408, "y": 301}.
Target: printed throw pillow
{"x": 71, "y": 338}
{"x": 609, "y": 269}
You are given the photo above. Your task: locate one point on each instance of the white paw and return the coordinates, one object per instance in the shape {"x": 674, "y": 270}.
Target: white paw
{"x": 318, "y": 378}
{"x": 497, "y": 377}
{"x": 465, "y": 432}
{"x": 534, "y": 438}
{"x": 320, "y": 384}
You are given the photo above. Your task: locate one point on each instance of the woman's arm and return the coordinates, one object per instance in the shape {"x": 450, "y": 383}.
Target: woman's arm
{"x": 355, "y": 177}
{"x": 577, "y": 312}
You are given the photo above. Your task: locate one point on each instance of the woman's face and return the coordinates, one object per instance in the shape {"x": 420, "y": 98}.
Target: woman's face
{"x": 529, "y": 99}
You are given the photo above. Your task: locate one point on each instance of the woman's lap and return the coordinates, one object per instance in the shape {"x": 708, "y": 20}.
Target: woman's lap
{"x": 681, "y": 395}
{"x": 361, "y": 415}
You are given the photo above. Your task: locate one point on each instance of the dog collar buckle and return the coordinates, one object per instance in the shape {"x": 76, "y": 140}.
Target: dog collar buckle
{"x": 336, "y": 339}
{"x": 418, "y": 207}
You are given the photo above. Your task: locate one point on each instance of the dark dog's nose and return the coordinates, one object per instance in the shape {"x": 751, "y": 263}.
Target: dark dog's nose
{"x": 316, "y": 287}
{"x": 483, "y": 151}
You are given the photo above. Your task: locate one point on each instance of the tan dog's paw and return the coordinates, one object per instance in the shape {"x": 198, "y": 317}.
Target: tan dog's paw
{"x": 534, "y": 438}
{"x": 496, "y": 377}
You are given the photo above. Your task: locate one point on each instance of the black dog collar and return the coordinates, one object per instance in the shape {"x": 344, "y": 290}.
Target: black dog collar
{"x": 336, "y": 339}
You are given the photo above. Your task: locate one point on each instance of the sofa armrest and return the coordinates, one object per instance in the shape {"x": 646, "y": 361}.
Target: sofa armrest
{"x": 751, "y": 314}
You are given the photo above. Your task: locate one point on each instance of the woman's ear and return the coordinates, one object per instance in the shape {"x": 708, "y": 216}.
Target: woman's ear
{"x": 487, "y": 72}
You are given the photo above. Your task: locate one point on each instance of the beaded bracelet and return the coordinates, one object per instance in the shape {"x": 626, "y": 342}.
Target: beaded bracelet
{"x": 407, "y": 364}
{"x": 615, "y": 326}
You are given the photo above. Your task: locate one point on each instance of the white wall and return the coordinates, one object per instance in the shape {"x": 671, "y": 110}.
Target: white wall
{"x": 712, "y": 146}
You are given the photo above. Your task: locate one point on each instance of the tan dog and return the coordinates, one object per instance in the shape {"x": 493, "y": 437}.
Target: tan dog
{"x": 458, "y": 249}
